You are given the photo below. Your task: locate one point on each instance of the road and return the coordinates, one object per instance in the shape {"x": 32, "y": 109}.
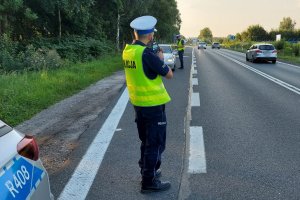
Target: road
{"x": 233, "y": 133}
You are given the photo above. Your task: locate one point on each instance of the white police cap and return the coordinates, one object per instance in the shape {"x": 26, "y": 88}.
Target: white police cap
{"x": 144, "y": 24}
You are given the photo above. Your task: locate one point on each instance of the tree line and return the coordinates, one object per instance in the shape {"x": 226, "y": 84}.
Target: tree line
{"x": 34, "y": 33}
{"x": 257, "y": 33}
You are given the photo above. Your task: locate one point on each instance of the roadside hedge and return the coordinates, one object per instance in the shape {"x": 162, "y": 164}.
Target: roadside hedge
{"x": 76, "y": 48}
{"x": 49, "y": 53}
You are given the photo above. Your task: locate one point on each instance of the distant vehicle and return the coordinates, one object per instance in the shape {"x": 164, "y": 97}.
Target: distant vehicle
{"x": 216, "y": 45}
{"x": 169, "y": 55}
{"x": 202, "y": 45}
{"x": 22, "y": 175}
{"x": 265, "y": 52}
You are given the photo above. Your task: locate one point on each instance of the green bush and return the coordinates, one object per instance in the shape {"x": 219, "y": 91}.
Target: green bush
{"x": 296, "y": 49}
{"x": 48, "y": 53}
{"x": 7, "y": 61}
{"x": 39, "y": 59}
{"x": 33, "y": 59}
{"x": 8, "y": 54}
{"x": 76, "y": 48}
{"x": 236, "y": 45}
{"x": 52, "y": 59}
{"x": 279, "y": 45}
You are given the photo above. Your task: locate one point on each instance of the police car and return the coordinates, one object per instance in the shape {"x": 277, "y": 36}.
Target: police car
{"x": 22, "y": 175}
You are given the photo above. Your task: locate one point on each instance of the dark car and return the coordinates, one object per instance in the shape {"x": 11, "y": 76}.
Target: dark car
{"x": 216, "y": 45}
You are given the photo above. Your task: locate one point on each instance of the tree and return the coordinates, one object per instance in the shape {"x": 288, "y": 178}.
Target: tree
{"x": 287, "y": 24}
{"x": 256, "y": 33}
{"x": 15, "y": 17}
{"x": 168, "y": 17}
{"x": 245, "y": 36}
{"x": 61, "y": 16}
{"x": 120, "y": 8}
{"x": 205, "y": 35}
{"x": 238, "y": 37}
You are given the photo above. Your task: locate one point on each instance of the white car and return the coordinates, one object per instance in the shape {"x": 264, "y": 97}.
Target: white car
{"x": 202, "y": 45}
{"x": 22, "y": 175}
{"x": 169, "y": 55}
{"x": 258, "y": 52}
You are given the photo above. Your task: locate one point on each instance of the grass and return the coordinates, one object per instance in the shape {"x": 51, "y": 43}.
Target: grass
{"x": 290, "y": 59}
{"x": 23, "y": 95}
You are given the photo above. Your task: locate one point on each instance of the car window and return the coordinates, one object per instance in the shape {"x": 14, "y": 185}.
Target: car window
{"x": 266, "y": 47}
{"x": 4, "y": 128}
{"x": 166, "y": 49}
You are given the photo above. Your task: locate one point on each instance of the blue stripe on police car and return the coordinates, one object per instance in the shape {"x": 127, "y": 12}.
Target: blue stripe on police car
{"x": 18, "y": 179}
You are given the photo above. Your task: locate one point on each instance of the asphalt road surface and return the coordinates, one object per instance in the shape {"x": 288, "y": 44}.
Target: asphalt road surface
{"x": 233, "y": 133}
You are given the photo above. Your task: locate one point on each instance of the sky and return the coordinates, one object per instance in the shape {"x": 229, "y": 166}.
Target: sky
{"x": 225, "y": 17}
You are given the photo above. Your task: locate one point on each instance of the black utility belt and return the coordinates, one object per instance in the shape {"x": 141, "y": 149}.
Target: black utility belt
{"x": 159, "y": 107}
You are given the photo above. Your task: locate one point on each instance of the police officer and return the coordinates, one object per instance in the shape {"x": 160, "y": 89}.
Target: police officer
{"x": 144, "y": 70}
{"x": 180, "y": 48}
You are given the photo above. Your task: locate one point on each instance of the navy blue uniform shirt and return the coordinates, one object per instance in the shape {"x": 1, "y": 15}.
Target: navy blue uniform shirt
{"x": 152, "y": 64}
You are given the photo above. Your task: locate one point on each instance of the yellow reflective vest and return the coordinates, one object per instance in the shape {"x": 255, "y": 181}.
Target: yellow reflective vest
{"x": 142, "y": 90}
{"x": 180, "y": 47}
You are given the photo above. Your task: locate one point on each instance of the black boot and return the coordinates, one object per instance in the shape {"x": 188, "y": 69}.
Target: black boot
{"x": 155, "y": 186}
{"x": 158, "y": 173}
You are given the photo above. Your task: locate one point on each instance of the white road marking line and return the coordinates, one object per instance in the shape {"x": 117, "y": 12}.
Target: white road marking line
{"x": 83, "y": 177}
{"x": 271, "y": 78}
{"x": 195, "y": 99}
{"x": 289, "y": 64}
{"x": 183, "y": 56}
{"x": 197, "y": 159}
{"x": 195, "y": 81}
{"x": 192, "y": 69}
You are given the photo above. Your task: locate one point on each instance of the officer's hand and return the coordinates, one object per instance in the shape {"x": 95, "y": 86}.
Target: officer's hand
{"x": 160, "y": 55}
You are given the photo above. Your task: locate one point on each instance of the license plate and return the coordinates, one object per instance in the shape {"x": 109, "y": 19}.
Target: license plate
{"x": 19, "y": 179}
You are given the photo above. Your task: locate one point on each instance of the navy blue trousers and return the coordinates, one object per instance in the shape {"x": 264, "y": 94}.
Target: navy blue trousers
{"x": 180, "y": 55}
{"x": 152, "y": 126}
